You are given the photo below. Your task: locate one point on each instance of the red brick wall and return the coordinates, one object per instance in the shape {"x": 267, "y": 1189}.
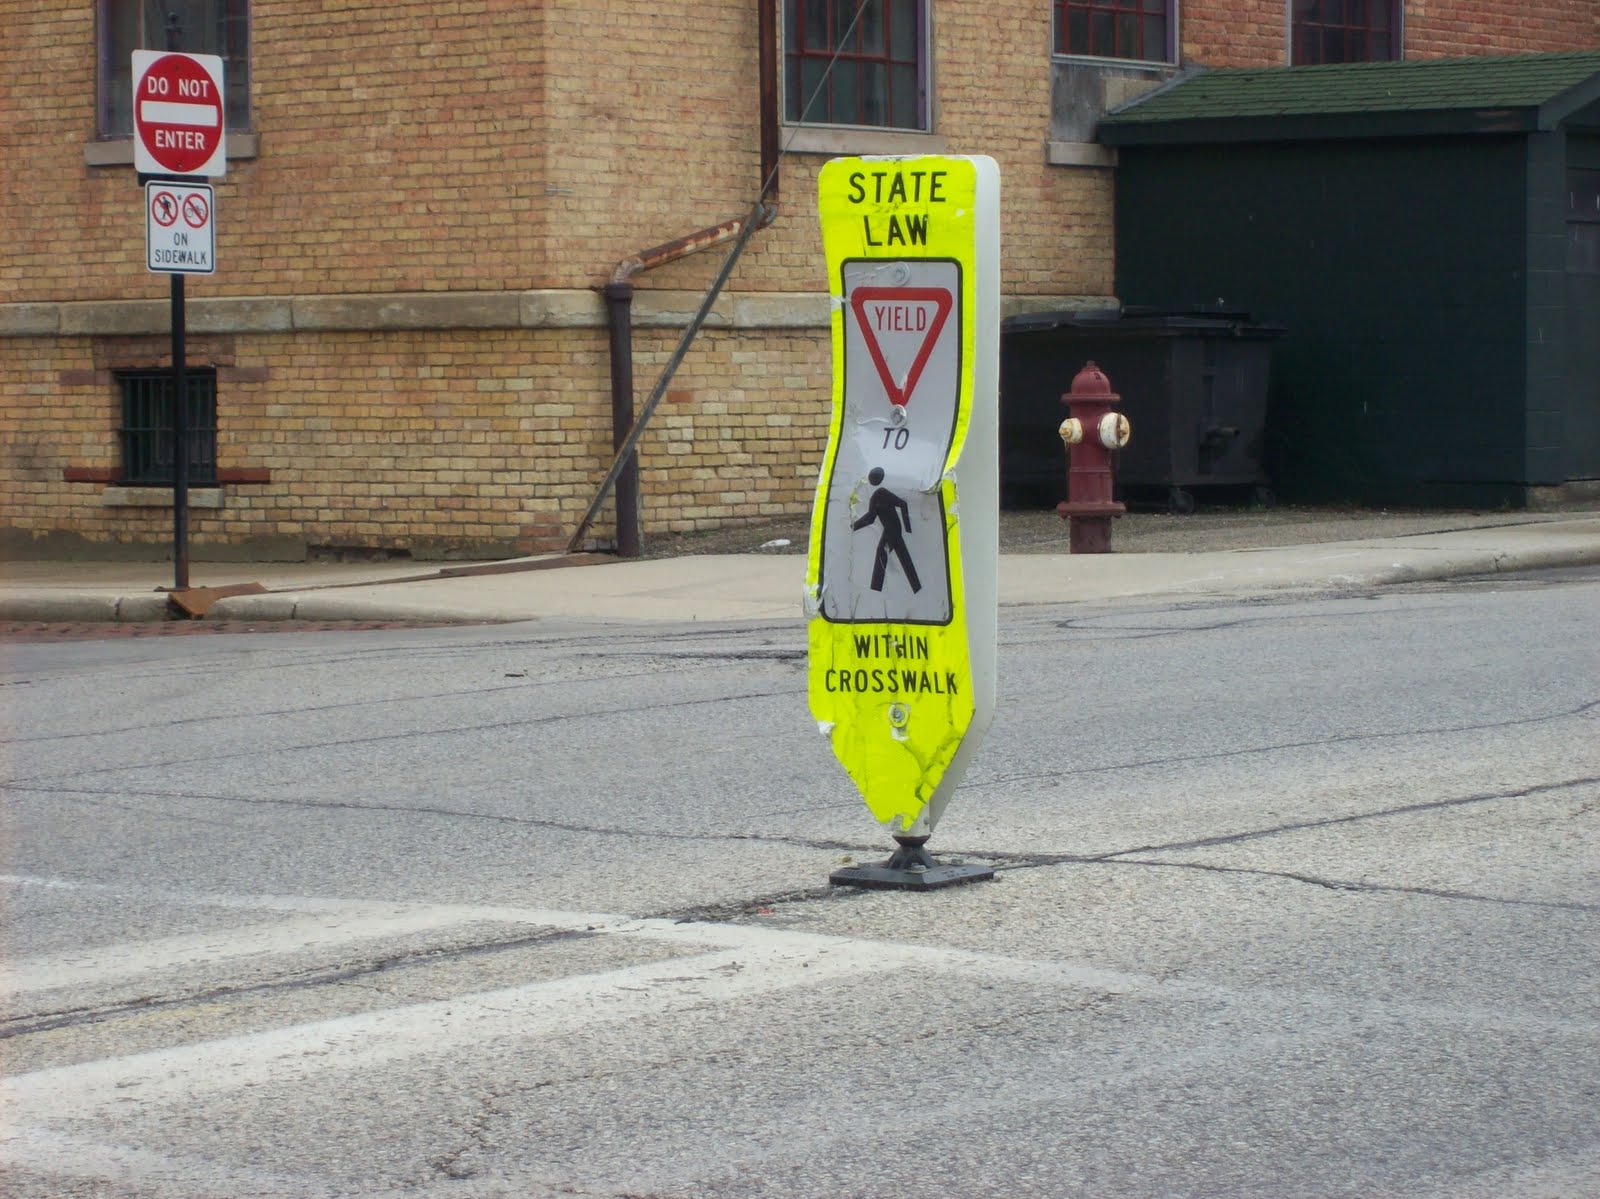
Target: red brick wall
{"x": 1253, "y": 33}
{"x": 1233, "y": 33}
{"x": 1451, "y": 28}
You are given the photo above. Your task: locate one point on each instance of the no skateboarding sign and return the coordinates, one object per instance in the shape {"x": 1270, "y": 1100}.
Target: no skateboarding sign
{"x": 901, "y": 576}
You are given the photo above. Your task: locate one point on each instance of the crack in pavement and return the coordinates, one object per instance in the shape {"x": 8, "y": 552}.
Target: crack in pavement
{"x": 477, "y": 692}
{"x": 729, "y": 911}
{"x": 37, "y": 1022}
{"x": 1581, "y": 710}
{"x": 1005, "y": 861}
{"x": 380, "y": 738}
{"x": 1100, "y": 632}
{"x": 1332, "y": 884}
{"x": 354, "y": 973}
{"x": 474, "y": 1136}
{"x": 1434, "y": 805}
{"x": 105, "y": 798}
{"x": 1008, "y": 860}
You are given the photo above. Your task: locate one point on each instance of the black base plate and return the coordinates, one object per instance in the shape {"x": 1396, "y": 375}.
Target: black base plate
{"x": 888, "y": 878}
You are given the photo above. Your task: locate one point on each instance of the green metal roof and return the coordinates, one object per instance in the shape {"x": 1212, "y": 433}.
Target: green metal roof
{"x": 1517, "y": 93}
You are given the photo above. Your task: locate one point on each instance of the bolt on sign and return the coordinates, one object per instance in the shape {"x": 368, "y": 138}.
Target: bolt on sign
{"x": 901, "y": 577}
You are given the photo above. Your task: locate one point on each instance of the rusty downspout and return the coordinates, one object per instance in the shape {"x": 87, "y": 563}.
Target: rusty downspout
{"x": 619, "y": 290}
{"x": 619, "y": 316}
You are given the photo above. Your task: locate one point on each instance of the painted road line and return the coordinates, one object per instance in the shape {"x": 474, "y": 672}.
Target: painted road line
{"x": 121, "y": 961}
{"x": 549, "y": 1008}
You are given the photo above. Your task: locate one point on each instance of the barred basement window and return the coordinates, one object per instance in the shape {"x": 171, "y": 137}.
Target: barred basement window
{"x": 147, "y": 426}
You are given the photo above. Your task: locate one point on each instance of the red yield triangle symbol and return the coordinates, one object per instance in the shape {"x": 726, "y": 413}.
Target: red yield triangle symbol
{"x": 889, "y": 308}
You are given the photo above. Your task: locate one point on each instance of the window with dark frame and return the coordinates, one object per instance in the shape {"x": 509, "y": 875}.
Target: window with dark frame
{"x": 1331, "y": 31}
{"x": 220, "y": 27}
{"x": 877, "y": 78}
{"x": 146, "y": 430}
{"x": 1583, "y": 222}
{"x": 1132, "y": 29}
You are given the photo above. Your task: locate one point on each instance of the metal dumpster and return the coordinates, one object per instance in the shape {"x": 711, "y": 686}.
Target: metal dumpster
{"x": 1193, "y": 386}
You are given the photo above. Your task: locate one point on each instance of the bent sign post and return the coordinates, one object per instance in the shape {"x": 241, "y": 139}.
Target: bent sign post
{"x": 902, "y": 572}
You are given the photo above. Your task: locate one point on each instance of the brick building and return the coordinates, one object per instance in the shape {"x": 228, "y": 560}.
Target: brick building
{"x": 406, "y": 347}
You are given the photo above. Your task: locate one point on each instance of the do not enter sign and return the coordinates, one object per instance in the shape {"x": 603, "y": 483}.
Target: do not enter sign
{"x": 178, "y": 114}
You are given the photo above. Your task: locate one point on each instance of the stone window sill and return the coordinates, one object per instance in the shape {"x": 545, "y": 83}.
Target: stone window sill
{"x": 838, "y": 140}
{"x": 118, "y": 152}
{"x": 1080, "y": 154}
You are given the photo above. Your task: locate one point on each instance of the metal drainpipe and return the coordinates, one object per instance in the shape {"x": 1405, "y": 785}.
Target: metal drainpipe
{"x": 619, "y": 290}
{"x": 619, "y": 310}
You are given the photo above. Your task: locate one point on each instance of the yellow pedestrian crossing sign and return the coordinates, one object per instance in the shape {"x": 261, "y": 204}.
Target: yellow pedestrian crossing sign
{"x": 901, "y": 575}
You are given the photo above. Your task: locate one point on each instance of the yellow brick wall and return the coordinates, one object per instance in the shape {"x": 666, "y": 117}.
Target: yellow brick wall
{"x": 439, "y": 444}
{"x": 480, "y": 146}
{"x": 46, "y": 426}
{"x": 491, "y": 144}
{"x": 738, "y": 434}
{"x": 497, "y": 146}
{"x": 400, "y": 151}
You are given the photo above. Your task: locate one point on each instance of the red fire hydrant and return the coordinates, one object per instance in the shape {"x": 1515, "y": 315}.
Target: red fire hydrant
{"x": 1092, "y": 431}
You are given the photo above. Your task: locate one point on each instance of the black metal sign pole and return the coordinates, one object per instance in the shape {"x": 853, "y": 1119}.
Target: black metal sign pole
{"x": 180, "y": 402}
{"x": 180, "y": 444}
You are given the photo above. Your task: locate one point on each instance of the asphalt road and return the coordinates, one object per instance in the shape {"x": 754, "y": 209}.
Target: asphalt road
{"x": 1296, "y": 897}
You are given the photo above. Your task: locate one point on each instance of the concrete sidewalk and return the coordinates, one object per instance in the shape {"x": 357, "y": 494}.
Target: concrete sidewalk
{"x": 767, "y": 586}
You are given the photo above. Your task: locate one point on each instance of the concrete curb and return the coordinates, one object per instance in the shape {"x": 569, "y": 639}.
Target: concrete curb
{"x": 69, "y": 608}
{"x": 768, "y": 587}
{"x": 313, "y": 606}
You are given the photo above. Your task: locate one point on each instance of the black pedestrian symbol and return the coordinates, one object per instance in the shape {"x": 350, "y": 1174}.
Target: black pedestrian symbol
{"x": 888, "y": 509}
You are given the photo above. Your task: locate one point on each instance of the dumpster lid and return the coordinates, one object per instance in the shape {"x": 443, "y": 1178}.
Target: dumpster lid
{"x": 1132, "y": 319}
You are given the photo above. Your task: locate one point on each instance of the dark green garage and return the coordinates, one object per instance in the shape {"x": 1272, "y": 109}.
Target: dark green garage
{"x": 1429, "y": 235}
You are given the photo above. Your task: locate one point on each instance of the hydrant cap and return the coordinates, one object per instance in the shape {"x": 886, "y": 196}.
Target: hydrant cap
{"x": 1091, "y": 383}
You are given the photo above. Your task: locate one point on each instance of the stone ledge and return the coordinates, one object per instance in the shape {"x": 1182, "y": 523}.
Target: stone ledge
{"x": 118, "y": 151}
{"x": 1080, "y": 154}
{"x": 409, "y": 310}
{"x": 30, "y": 320}
{"x": 116, "y": 318}
{"x": 568, "y": 308}
{"x": 560, "y": 308}
{"x": 158, "y": 497}
{"x": 1022, "y": 305}
{"x": 836, "y": 140}
{"x": 239, "y": 314}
